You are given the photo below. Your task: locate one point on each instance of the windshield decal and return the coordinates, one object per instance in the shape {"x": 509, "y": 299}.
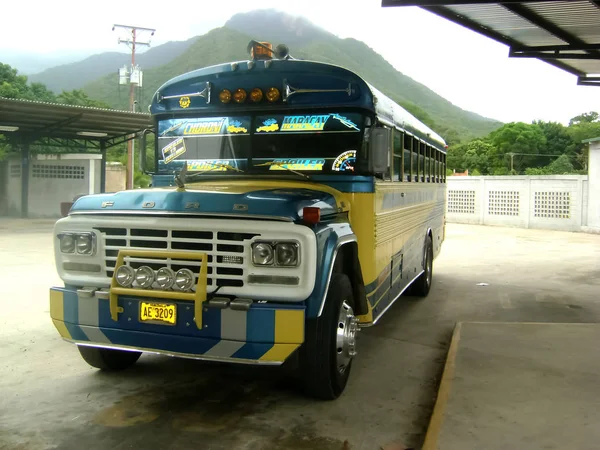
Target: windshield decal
{"x": 173, "y": 150}
{"x": 345, "y": 162}
{"x": 268, "y": 125}
{"x": 204, "y": 126}
{"x": 217, "y": 165}
{"x": 345, "y": 121}
{"x": 304, "y": 123}
{"x": 297, "y": 164}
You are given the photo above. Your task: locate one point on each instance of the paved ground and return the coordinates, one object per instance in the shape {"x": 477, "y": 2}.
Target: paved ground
{"x": 49, "y": 398}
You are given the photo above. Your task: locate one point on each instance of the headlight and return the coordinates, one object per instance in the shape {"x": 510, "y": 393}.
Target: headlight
{"x": 125, "y": 276}
{"x": 85, "y": 243}
{"x": 262, "y": 254}
{"x": 81, "y": 243}
{"x": 144, "y": 276}
{"x": 67, "y": 242}
{"x": 184, "y": 279}
{"x": 286, "y": 254}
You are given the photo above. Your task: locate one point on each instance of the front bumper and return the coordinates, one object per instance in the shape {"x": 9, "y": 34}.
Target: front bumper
{"x": 266, "y": 333}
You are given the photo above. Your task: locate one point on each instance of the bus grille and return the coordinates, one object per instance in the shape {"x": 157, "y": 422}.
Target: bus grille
{"x": 226, "y": 251}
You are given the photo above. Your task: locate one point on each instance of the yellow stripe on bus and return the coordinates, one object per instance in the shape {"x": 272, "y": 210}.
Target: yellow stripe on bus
{"x": 57, "y": 313}
{"x": 289, "y": 326}
{"x": 279, "y": 352}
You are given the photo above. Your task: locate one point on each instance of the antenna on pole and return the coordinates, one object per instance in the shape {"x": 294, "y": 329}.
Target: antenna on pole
{"x": 132, "y": 38}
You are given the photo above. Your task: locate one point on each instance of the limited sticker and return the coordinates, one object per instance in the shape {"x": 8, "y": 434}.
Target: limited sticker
{"x": 345, "y": 162}
{"x": 173, "y": 150}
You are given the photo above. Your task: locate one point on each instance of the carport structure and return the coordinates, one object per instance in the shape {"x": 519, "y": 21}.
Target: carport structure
{"x": 24, "y": 123}
{"x": 565, "y": 34}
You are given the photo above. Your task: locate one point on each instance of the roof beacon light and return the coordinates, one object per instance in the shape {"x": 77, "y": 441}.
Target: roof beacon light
{"x": 311, "y": 215}
{"x": 260, "y": 50}
{"x": 239, "y": 96}
{"x": 225, "y": 96}
{"x": 273, "y": 94}
{"x": 256, "y": 95}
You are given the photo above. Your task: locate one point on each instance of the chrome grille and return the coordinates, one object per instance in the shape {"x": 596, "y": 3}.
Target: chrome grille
{"x": 226, "y": 251}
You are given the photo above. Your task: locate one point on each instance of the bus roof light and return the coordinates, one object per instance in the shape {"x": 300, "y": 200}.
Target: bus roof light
{"x": 260, "y": 50}
{"x": 256, "y": 95}
{"x": 272, "y": 94}
{"x": 311, "y": 215}
{"x": 239, "y": 96}
{"x": 225, "y": 96}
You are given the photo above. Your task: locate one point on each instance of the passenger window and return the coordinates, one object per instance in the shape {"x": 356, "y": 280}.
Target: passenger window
{"x": 422, "y": 162}
{"x": 398, "y": 141}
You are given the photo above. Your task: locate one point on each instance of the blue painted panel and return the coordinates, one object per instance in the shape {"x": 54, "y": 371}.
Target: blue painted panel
{"x": 252, "y": 351}
{"x": 260, "y": 325}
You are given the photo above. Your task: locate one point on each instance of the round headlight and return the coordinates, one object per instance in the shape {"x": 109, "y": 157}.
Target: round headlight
{"x": 125, "y": 276}
{"x": 286, "y": 254}
{"x": 144, "y": 276}
{"x": 184, "y": 279}
{"x": 67, "y": 243}
{"x": 262, "y": 254}
{"x": 165, "y": 278}
{"x": 85, "y": 244}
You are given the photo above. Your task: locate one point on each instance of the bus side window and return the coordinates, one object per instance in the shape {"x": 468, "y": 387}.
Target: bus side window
{"x": 427, "y": 163}
{"x": 398, "y": 139}
{"x": 422, "y": 161}
{"x": 414, "y": 146}
{"x": 407, "y": 158}
{"x": 444, "y": 167}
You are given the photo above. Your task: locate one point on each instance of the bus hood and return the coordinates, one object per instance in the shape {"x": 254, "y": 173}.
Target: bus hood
{"x": 283, "y": 203}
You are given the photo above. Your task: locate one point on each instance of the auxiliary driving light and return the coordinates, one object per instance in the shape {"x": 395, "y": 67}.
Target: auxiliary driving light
{"x": 184, "y": 279}
{"x": 125, "y": 276}
{"x": 165, "y": 278}
{"x": 144, "y": 276}
{"x": 286, "y": 254}
{"x": 239, "y": 96}
{"x": 262, "y": 254}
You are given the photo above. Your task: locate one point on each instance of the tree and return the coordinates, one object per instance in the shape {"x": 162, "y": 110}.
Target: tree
{"x": 80, "y": 98}
{"x": 516, "y": 137}
{"x": 589, "y": 117}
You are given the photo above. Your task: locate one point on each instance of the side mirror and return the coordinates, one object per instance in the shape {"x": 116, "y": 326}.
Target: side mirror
{"x": 142, "y": 147}
{"x": 380, "y": 150}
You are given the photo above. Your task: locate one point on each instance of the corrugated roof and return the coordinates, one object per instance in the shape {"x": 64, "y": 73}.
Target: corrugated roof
{"x": 41, "y": 120}
{"x": 565, "y": 34}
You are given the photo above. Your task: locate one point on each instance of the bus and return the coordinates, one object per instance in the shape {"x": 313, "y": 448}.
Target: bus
{"x": 292, "y": 203}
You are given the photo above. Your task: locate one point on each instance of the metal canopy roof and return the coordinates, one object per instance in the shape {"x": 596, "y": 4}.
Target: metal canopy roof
{"x": 56, "y": 124}
{"x": 565, "y": 34}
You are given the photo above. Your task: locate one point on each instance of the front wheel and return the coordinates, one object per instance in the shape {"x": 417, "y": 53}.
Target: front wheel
{"x": 107, "y": 359}
{"x": 330, "y": 344}
{"x": 422, "y": 285}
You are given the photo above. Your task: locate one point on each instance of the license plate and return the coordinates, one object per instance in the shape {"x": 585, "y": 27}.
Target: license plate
{"x": 158, "y": 312}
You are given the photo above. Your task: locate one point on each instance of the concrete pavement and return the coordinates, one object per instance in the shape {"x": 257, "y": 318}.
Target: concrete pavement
{"x": 49, "y": 398}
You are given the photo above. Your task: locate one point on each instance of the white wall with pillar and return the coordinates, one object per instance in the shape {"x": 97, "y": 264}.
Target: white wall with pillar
{"x": 593, "y": 209}
{"x": 53, "y": 178}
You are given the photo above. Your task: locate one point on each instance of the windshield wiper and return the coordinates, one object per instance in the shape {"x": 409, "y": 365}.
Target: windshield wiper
{"x": 221, "y": 165}
{"x": 283, "y": 166}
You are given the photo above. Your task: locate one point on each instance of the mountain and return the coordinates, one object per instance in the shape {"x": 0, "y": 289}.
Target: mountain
{"x": 77, "y": 74}
{"x": 27, "y": 62}
{"x": 306, "y": 41}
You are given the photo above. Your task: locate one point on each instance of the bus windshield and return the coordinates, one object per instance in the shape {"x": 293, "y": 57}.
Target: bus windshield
{"x": 266, "y": 144}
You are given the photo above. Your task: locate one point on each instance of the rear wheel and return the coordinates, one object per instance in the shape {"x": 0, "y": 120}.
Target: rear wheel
{"x": 107, "y": 359}
{"x": 422, "y": 285}
{"x": 330, "y": 344}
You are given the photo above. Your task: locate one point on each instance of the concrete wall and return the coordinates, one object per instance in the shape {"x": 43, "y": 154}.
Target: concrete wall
{"x": 558, "y": 202}
{"x": 116, "y": 177}
{"x": 52, "y": 179}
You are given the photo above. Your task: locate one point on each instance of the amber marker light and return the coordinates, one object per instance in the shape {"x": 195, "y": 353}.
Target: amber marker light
{"x": 256, "y": 95}
{"x": 225, "y": 96}
{"x": 239, "y": 96}
{"x": 272, "y": 94}
{"x": 311, "y": 215}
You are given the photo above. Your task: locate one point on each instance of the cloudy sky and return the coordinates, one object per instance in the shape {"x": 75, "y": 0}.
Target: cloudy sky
{"x": 469, "y": 70}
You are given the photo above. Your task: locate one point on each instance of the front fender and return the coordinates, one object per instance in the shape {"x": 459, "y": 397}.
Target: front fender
{"x": 330, "y": 237}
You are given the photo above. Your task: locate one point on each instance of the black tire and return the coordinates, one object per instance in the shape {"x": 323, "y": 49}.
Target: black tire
{"x": 321, "y": 377}
{"x": 422, "y": 285}
{"x": 106, "y": 359}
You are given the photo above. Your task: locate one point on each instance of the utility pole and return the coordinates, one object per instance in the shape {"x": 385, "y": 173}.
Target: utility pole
{"x": 133, "y": 33}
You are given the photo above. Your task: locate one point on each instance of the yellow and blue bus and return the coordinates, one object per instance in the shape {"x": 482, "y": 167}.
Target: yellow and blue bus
{"x": 292, "y": 203}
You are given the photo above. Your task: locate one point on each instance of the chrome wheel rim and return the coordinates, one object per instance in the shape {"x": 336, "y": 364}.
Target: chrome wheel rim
{"x": 428, "y": 264}
{"x": 345, "y": 342}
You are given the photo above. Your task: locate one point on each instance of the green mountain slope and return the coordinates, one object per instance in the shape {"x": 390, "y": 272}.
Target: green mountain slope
{"x": 309, "y": 42}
